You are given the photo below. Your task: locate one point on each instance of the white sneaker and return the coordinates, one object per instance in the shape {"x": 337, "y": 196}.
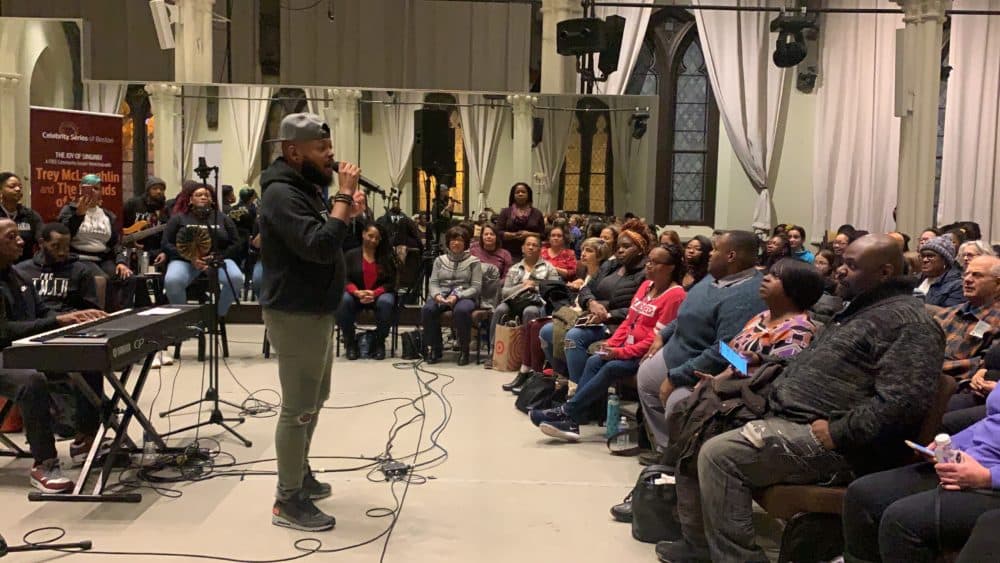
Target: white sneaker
{"x": 157, "y": 361}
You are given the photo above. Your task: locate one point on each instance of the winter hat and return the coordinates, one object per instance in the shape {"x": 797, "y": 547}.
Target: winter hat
{"x": 942, "y": 246}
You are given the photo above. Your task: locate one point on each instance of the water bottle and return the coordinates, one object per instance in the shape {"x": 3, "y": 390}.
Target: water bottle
{"x": 623, "y": 440}
{"x": 614, "y": 413}
{"x": 148, "y": 449}
{"x": 143, "y": 263}
{"x": 943, "y": 452}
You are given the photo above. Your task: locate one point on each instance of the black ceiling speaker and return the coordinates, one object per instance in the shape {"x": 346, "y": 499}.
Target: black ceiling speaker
{"x": 580, "y": 36}
{"x": 614, "y": 29}
{"x": 433, "y": 142}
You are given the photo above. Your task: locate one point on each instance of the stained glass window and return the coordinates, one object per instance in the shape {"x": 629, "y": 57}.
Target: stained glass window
{"x": 687, "y": 186}
{"x": 586, "y": 179}
{"x": 672, "y": 66}
{"x": 459, "y": 183}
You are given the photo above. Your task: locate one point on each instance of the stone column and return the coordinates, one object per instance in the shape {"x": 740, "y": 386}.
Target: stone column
{"x": 558, "y": 72}
{"x": 9, "y": 84}
{"x": 164, "y": 98}
{"x": 193, "y": 37}
{"x": 917, "y": 106}
{"x": 523, "y": 107}
{"x": 343, "y": 118}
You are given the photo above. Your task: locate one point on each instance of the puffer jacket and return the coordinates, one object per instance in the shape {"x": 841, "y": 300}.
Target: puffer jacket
{"x": 616, "y": 296}
{"x": 947, "y": 290}
{"x": 460, "y": 275}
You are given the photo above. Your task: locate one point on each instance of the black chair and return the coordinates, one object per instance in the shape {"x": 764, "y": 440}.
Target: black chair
{"x": 199, "y": 291}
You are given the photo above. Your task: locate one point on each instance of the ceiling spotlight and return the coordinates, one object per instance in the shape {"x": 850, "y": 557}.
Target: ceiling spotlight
{"x": 790, "y": 49}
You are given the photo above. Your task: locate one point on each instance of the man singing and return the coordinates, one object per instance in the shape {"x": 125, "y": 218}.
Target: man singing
{"x": 303, "y": 281}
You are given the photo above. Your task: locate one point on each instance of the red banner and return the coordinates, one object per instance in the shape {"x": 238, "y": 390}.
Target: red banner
{"x": 66, "y": 146}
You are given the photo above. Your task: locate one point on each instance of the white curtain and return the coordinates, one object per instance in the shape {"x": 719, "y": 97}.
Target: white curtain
{"x": 482, "y": 128}
{"x": 636, "y": 22}
{"x": 970, "y": 183}
{"x": 551, "y": 152}
{"x": 623, "y": 145}
{"x": 103, "y": 98}
{"x": 248, "y": 107}
{"x": 749, "y": 89}
{"x": 192, "y": 109}
{"x": 856, "y": 150}
{"x": 397, "y": 126}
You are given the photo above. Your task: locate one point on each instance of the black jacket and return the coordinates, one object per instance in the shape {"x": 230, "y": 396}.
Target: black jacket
{"x": 615, "y": 294}
{"x": 223, "y": 231}
{"x": 64, "y": 287}
{"x": 29, "y": 223}
{"x": 872, "y": 372}
{"x": 386, "y": 272}
{"x": 947, "y": 290}
{"x": 300, "y": 244}
{"x": 73, "y": 221}
{"x": 401, "y": 229}
{"x": 22, "y": 313}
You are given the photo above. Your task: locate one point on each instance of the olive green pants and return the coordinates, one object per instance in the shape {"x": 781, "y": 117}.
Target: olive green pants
{"x": 304, "y": 343}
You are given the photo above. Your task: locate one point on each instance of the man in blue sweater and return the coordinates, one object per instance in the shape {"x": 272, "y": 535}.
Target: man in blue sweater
{"x": 714, "y": 311}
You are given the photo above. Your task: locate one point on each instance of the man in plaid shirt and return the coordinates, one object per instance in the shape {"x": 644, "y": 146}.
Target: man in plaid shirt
{"x": 971, "y": 327}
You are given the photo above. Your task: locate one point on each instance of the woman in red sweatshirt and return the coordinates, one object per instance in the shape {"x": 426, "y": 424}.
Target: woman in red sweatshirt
{"x": 654, "y": 305}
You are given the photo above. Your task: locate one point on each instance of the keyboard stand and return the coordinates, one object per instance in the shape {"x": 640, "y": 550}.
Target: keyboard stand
{"x": 121, "y": 444}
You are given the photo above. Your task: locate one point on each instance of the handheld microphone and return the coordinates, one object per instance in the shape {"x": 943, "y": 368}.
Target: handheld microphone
{"x": 367, "y": 184}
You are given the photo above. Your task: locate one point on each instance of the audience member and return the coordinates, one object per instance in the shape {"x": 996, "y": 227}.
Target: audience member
{"x": 669, "y": 236}
{"x": 519, "y": 219}
{"x": 59, "y": 279}
{"x": 843, "y": 406}
{"x": 595, "y": 252}
{"x": 696, "y": 255}
{"x": 606, "y": 300}
{"x": 970, "y": 330}
{"x": 829, "y": 303}
{"x": 920, "y": 511}
{"x": 556, "y": 252}
{"x": 902, "y": 239}
{"x": 182, "y": 271}
{"x": 654, "y": 305}
{"x": 455, "y": 284}
{"x": 940, "y": 281}
{"x": 610, "y": 235}
{"x": 971, "y": 249}
{"x": 28, "y": 221}
{"x": 358, "y": 223}
{"x": 840, "y": 244}
{"x": 95, "y": 241}
{"x": 775, "y": 249}
{"x": 927, "y": 235}
{"x": 797, "y": 244}
{"x": 371, "y": 284}
{"x": 489, "y": 251}
{"x": 441, "y": 211}
{"x": 521, "y": 291}
{"x": 714, "y": 311}
{"x": 401, "y": 231}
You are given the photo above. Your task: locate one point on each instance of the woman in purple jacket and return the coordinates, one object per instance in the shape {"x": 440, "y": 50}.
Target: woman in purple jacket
{"x": 519, "y": 220}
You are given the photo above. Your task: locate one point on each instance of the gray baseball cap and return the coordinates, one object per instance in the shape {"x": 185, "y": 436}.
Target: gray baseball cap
{"x": 302, "y": 127}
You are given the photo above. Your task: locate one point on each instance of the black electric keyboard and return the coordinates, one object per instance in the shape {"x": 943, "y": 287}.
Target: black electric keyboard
{"x": 110, "y": 344}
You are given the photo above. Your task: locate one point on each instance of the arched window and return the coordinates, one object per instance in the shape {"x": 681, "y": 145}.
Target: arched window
{"x": 285, "y": 101}
{"x": 672, "y": 66}
{"x": 585, "y": 183}
{"x": 459, "y": 184}
{"x": 137, "y": 142}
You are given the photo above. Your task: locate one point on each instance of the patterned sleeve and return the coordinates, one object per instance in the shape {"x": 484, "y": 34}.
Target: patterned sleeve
{"x": 791, "y": 338}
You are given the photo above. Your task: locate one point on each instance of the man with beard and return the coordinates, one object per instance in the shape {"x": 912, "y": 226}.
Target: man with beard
{"x": 303, "y": 282}
{"x": 61, "y": 281}
{"x": 840, "y": 408}
{"x": 151, "y": 208}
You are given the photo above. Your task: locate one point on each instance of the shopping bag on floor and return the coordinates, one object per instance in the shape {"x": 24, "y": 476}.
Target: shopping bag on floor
{"x": 507, "y": 348}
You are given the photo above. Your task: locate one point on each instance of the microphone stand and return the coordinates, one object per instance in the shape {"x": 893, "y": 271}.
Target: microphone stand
{"x": 5, "y": 549}
{"x": 215, "y": 262}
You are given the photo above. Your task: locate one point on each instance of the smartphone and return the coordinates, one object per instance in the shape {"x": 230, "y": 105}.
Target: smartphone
{"x": 601, "y": 353}
{"x": 919, "y": 448}
{"x": 734, "y": 358}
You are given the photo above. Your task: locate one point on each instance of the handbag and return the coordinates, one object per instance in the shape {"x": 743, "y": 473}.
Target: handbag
{"x": 540, "y": 392}
{"x": 517, "y": 303}
{"x": 654, "y": 507}
{"x": 507, "y": 347}
{"x": 413, "y": 345}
